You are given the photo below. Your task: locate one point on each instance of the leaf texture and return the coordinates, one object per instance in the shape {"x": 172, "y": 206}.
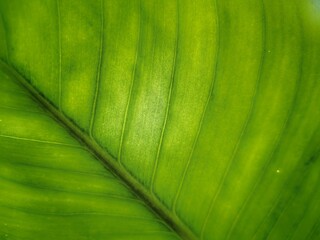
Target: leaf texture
{"x": 53, "y": 188}
{"x": 211, "y": 105}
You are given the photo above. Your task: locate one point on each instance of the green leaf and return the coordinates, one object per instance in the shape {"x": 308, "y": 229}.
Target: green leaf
{"x": 52, "y": 187}
{"x": 208, "y": 110}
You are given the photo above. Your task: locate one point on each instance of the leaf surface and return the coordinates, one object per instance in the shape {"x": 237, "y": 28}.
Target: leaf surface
{"x": 52, "y": 187}
{"x": 208, "y": 109}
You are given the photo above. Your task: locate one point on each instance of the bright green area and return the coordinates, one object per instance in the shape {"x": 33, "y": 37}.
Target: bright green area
{"x": 51, "y": 187}
{"x": 212, "y": 105}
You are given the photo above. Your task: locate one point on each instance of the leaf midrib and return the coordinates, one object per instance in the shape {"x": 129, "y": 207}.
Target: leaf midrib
{"x": 156, "y": 206}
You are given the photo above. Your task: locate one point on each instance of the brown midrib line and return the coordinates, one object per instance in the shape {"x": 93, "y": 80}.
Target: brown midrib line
{"x": 156, "y": 206}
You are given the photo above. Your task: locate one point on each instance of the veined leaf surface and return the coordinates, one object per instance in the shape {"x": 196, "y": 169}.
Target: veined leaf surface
{"x": 52, "y": 187}
{"x": 209, "y": 109}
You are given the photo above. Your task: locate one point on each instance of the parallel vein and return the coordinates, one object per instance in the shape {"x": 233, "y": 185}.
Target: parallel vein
{"x": 41, "y": 141}
{"x": 276, "y": 147}
{"x": 243, "y": 130}
{"x": 173, "y": 73}
{"x": 99, "y": 67}
{"x": 131, "y": 87}
{"x": 204, "y": 111}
